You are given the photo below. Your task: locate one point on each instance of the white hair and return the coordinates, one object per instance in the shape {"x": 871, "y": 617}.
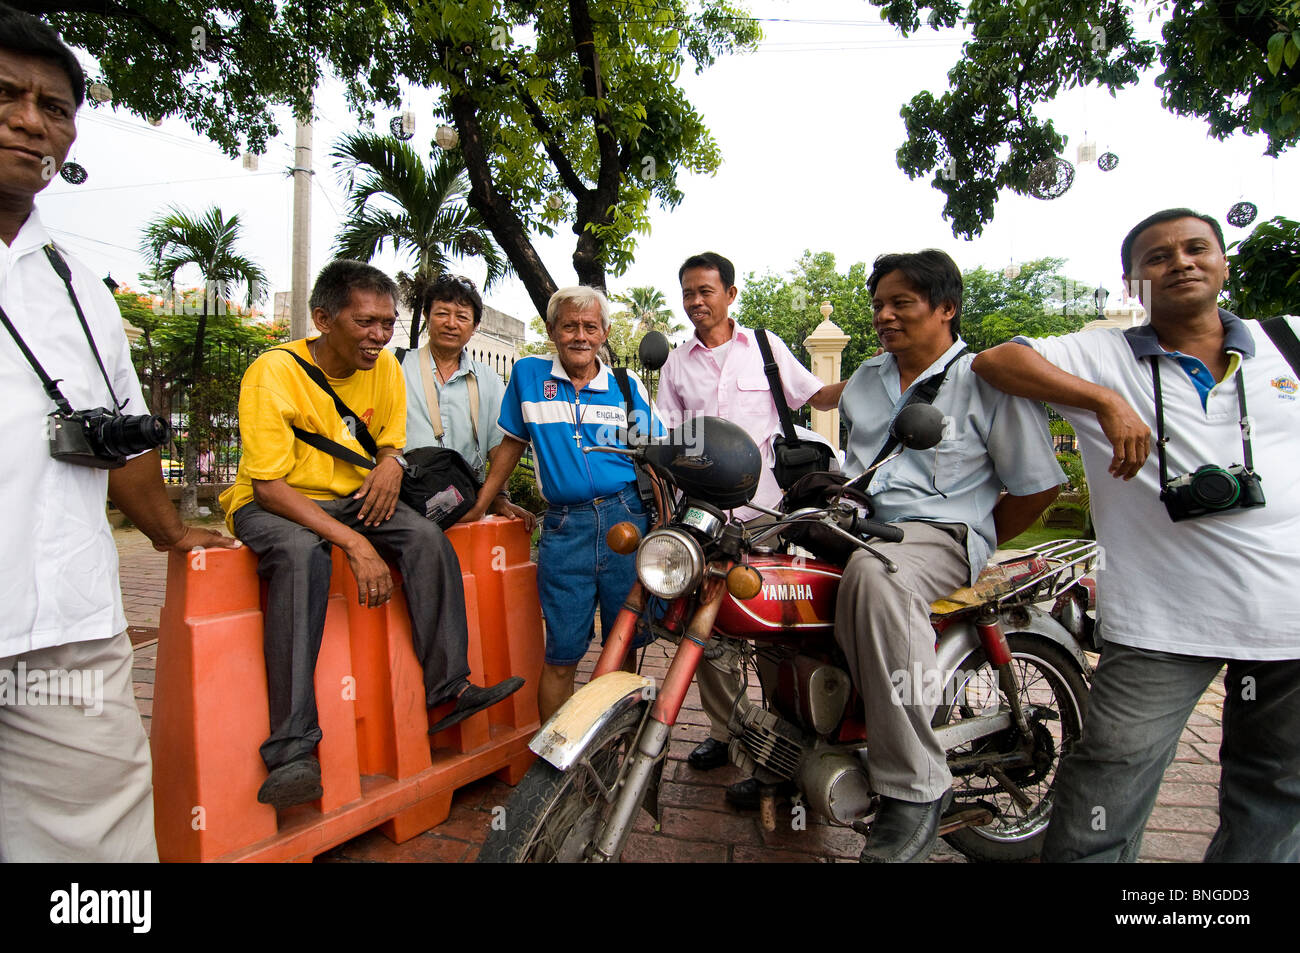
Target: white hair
{"x": 581, "y": 298}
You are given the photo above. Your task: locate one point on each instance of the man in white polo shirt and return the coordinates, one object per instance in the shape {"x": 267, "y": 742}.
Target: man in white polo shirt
{"x": 1182, "y": 592}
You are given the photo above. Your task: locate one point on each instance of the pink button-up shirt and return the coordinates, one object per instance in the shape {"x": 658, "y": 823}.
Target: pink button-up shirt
{"x": 695, "y": 381}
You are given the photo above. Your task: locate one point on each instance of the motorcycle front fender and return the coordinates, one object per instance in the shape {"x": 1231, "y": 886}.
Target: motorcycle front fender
{"x": 567, "y": 733}
{"x": 959, "y": 641}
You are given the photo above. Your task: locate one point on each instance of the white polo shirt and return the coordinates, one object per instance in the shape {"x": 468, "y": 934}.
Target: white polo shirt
{"x": 58, "y": 563}
{"x": 1222, "y": 586}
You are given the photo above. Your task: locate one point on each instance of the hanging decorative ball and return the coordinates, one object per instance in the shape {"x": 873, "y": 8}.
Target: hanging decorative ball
{"x": 396, "y": 127}
{"x": 99, "y": 92}
{"x": 74, "y": 173}
{"x": 155, "y": 121}
{"x": 555, "y": 203}
{"x": 1242, "y": 214}
{"x": 1087, "y": 152}
{"x": 1051, "y": 179}
{"x": 250, "y": 161}
{"x": 446, "y": 137}
{"x": 1107, "y": 161}
{"x": 1011, "y": 272}
{"x": 472, "y": 245}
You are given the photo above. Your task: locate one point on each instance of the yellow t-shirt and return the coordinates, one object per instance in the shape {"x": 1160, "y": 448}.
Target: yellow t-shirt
{"x": 276, "y": 394}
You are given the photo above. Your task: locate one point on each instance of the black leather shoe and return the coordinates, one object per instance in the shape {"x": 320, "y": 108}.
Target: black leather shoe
{"x": 904, "y": 832}
{"x": 746, "y": 794}
{"x": 294, "y": 783}
{"x": 708, "y": 754}
{"x": 474, "y": 699}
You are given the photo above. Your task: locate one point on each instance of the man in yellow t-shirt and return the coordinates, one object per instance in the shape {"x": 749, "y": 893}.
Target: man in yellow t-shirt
{"x": 292, "y": 501}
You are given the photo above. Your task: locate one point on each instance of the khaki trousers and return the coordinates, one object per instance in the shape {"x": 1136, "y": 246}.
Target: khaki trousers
{"x": 76, "y": 782}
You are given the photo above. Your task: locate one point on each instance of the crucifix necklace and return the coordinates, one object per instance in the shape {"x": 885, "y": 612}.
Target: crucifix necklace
{"x": 580, "y": 411}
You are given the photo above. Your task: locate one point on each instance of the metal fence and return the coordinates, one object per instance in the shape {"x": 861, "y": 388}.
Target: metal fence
{"x": 171, "y": 393}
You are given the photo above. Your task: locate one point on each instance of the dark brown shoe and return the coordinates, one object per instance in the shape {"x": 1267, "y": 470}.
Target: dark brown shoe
{"x": 474, "y": 699}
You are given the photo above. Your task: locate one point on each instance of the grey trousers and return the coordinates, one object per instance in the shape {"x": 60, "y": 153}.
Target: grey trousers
{"x": 720, "y": 685}
{"x": 296, "y": 564}
{"x": 1138, "y": 705}
{"x": 76, "y": 782}
{"x": 882, "y": 622}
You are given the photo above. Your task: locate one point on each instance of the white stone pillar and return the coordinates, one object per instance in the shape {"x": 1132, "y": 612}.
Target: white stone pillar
{"x": 825, "y": 346}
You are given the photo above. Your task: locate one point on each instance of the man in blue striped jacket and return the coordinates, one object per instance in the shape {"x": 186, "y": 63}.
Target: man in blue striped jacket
{"x": 562, "y": 405}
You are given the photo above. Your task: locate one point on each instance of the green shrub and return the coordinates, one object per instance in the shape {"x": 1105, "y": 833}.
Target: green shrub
{"x": 523, "y": 490}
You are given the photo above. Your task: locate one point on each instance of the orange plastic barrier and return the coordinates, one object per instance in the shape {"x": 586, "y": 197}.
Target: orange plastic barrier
{"x": 379, "y": 767}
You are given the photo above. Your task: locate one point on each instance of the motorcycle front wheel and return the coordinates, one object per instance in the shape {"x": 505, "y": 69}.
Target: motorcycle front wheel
{"x": 553, "y": 815}
{"x": 1048, "y": 679}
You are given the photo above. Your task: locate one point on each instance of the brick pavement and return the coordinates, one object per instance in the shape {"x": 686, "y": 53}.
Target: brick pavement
{"x": 697, "y": 824}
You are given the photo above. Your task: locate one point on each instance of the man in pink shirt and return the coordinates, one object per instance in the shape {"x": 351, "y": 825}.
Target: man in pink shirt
{"x": 719, "y": 372}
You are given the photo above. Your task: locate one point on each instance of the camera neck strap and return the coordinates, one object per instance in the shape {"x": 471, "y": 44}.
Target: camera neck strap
{"x": 52, "y": 386}
{"x": 1161, "y": 439}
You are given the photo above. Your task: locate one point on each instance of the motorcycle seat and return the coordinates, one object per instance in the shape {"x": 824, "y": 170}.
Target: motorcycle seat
{"x": 997, "y": 579}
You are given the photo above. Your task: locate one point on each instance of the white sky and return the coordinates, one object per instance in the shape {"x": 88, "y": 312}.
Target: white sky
{"x": 808, "y": 127}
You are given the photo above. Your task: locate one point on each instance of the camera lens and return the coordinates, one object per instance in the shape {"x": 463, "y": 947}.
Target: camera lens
{"x": 1214, "y": 488}
{"x": 132, "y": 434}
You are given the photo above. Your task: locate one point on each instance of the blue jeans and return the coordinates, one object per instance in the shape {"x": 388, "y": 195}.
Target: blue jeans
{"x": 1138, "y": 705}
{"x": 575, "y": 570}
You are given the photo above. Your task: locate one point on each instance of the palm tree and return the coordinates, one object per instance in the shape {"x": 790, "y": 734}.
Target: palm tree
{"x": 423, "y": 213}
{"x": 649, "y": 311}
{"x": 174, "y": 241}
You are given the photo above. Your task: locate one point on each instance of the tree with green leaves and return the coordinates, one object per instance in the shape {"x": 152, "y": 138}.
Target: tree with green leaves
{"x": 1037, "y": 300}
{"x": 1264, "y": 270}
{"x": 789, "y": 306}
{"x": 1236, "y": 65}
{"x": 421, "y": 210}
{"x": 648, "y": 310}
{"x": 569, "y": 114}
{"x": 175, "y": 241}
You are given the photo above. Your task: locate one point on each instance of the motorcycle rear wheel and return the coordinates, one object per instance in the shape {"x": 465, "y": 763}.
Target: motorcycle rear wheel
{"x": 553, "y": 815}
{"x": 1046, "y": 677}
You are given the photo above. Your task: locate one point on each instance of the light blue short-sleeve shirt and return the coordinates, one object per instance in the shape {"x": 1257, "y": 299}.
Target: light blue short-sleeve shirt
{"x": 453, "y": 406}
{"x": 991, "y": 441}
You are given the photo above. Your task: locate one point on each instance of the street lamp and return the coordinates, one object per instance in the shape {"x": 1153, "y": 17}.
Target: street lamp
{"x": 110, "y": 284}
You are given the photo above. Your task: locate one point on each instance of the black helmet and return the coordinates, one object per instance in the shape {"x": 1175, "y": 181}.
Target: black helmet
{"x": 711, "y": 459}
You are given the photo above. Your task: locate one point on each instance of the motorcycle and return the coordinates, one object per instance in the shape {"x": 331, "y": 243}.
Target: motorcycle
{"x": 1011, "y": 683}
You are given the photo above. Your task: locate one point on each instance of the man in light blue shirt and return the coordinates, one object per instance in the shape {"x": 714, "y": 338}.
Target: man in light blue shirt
{"x": 950, "y": 503}
{"x": 467, "y": 394}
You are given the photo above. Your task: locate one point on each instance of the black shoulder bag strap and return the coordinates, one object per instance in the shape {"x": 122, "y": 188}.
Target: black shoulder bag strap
{"x": 778, "y": 394}
{"x": 359, "y": 428}
{"x": 924, "y": 393}
{"x": 625, "y": 385}
{"x": 1283, "y": 337}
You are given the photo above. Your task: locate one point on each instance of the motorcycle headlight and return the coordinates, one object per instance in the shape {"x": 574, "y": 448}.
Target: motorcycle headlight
{"x": 669, "y": 563}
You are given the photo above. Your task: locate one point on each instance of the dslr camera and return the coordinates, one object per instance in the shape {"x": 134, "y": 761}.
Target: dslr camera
{"x": 1209, "y": 490}
{"x": 102, "y": 438}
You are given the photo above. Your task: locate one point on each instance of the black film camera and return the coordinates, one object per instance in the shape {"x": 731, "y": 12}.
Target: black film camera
{"x": 102, "y": 439}
{"x": 1209, "y": 490}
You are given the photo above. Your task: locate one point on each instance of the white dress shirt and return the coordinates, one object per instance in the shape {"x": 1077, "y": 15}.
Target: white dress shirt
{"x": 58, "y": 563}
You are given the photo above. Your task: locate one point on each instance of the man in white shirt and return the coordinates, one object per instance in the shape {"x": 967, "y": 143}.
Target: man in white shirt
{"x": 719, "y": 372}
{"x": 75, "y": 779}
{"x": 1181, "y": 593}
{"x": 466, "y": 393}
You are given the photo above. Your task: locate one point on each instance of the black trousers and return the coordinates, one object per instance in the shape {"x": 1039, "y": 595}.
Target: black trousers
{"x": 296, "y": 564}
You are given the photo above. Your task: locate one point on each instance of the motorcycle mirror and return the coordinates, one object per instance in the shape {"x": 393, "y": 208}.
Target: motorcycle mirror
{"x": 653, "y": 351}
{"x": 918, "y": 426}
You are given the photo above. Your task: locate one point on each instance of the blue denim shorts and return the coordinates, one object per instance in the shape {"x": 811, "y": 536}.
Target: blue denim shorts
{"x": 576, "y": 571}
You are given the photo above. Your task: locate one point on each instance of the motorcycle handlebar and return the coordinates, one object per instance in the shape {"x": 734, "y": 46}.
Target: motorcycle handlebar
{"x": 883, "y": 531}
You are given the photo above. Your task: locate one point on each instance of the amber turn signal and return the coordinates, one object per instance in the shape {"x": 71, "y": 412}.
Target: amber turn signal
{"x": 623, "y": 538}
{"x": 744, "y": 582}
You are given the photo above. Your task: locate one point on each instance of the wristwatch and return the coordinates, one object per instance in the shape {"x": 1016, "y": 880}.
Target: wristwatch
{"x": 401, "y": 461}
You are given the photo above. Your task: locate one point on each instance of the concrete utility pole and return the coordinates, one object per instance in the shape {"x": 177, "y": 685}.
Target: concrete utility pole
{"x": 302, "y": 173}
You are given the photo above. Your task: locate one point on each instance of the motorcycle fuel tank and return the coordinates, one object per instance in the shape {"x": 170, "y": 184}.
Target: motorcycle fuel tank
{"x": 795, "y": 599}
